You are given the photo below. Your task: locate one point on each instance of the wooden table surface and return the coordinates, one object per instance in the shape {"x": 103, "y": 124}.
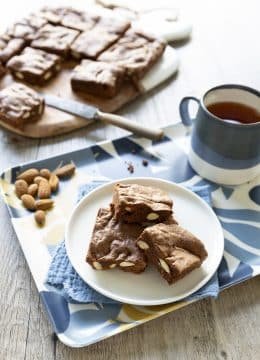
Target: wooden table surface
{"x": 224, "y": 48}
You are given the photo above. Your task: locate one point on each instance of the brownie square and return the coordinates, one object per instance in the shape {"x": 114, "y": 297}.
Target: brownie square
{"x": 90, "y": 44}
{"x": 54, "y": 39}
{"x": 135, "y": 203}
{"x": 20, "y": 105}
{"x": 9, "y": 48}
{"x": 97, "y": 78}
{"x": 26, "y": 28}
{"x": 70, "y": 17}
{"x": 113, "y": 245}
{"x": 34, "y": 66}
{"x": 135, "y": 51}
{"x": 115, "y": 25}
{"x": 173, "y": 250}
{"x": 78, "y": 20}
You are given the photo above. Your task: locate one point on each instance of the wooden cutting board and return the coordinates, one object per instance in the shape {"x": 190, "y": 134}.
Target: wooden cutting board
{"x": 55, "y": 122}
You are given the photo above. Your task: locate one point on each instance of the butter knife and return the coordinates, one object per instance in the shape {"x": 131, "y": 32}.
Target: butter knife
{"x": 92, "y": 113}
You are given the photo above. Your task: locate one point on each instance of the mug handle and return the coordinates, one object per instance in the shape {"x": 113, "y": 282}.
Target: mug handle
{"x": 184, "y": 110}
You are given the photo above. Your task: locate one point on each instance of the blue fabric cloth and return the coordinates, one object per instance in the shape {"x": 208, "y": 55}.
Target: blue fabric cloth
{"x": 63, "y": 277}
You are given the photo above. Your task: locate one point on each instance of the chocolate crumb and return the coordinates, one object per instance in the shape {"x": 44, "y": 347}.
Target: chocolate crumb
{"x": 145, "y": 162}
{"x": 130, "y": 167}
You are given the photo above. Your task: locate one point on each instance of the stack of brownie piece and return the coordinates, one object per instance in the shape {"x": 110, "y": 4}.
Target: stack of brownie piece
{"x": 139, "y": 228}
{"x": 108, "y": 50}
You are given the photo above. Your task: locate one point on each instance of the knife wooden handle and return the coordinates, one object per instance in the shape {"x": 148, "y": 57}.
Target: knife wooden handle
{"x": 122, "y": 122}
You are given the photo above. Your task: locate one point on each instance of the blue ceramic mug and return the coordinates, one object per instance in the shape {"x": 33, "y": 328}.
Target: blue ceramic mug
{"x": 223, "y": 151}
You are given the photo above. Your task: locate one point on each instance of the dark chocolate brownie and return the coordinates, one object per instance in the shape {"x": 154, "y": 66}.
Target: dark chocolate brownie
{"x": 98, "y": 78}
{"x": 135, "y": 203}
{"x": 173, "y": 250}
{"x": 135, "y": 51}
{"x": 20, "y": 105}
{"x": 9, "y": 48}
{"x": 91, "y": 43}
{"x": 113, "y": 245}
{"x": 54, "y": 39}
{"x": 34, "y": 66}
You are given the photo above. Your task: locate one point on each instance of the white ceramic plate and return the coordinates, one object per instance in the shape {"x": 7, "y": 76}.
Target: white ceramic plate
{"x": 147, "y": 288}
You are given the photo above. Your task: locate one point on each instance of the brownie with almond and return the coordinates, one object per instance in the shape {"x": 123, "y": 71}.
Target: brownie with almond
{"x": 34, "y": 66}
{"x": 134, "y": 203}
{"x": 173, "y": 250}
{"x": 113, "y": 244}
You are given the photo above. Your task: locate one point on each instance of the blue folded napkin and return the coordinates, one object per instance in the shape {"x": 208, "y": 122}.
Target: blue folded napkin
{"x": 64, "y": 279}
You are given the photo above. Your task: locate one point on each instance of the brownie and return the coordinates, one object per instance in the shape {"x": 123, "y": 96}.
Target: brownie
{"x": 135, "y": 51}
{"x": 52, "y": 14}
{"x": 115, "y": 25}
{"x": 54, "y": 39}
{"x": 173, "y": 250}
{"x": 69, "y": 17}
{"x": 9, "y": 48}
{"x": 78, "y": 20}
{"x": 135, "y": 203}
{"x": 97, "y": 78}
{"x": 20, "y": 105}
{"x": 34, "y": 66}
{"x": 26, "y": 28}
{"x": 113, "y": 244}
{"x": 90, "y": 44}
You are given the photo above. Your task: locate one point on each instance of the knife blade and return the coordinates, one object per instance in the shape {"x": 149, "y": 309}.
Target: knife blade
{"x": 72, "y": 107}
{"x": 91, "y": 112}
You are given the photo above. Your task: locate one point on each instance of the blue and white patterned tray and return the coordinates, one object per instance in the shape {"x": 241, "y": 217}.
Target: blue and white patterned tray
{"x": 238, "y": 209}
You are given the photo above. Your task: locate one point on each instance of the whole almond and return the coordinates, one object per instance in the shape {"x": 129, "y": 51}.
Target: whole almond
{"x": 28, "y": 175}
{"x": 32, "y": 189}
{"x": 40, "y": 217}
{"x": 44, "y": 190}
{"x": 21, "y": 187}
{"x": 28, "y": 201}
{"x": 66, "y": 170}
{"x": 54, "y": 182}
{"x": 44, "y": 204}
{"x": 45, "y": 173}
{"x": 38, "y": 179}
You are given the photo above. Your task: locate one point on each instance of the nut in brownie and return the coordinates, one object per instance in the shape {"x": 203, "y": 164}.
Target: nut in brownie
{"x": 173, "y": 250}
{"x": 113, "y": 244}
{"x": 135, "y": 203}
